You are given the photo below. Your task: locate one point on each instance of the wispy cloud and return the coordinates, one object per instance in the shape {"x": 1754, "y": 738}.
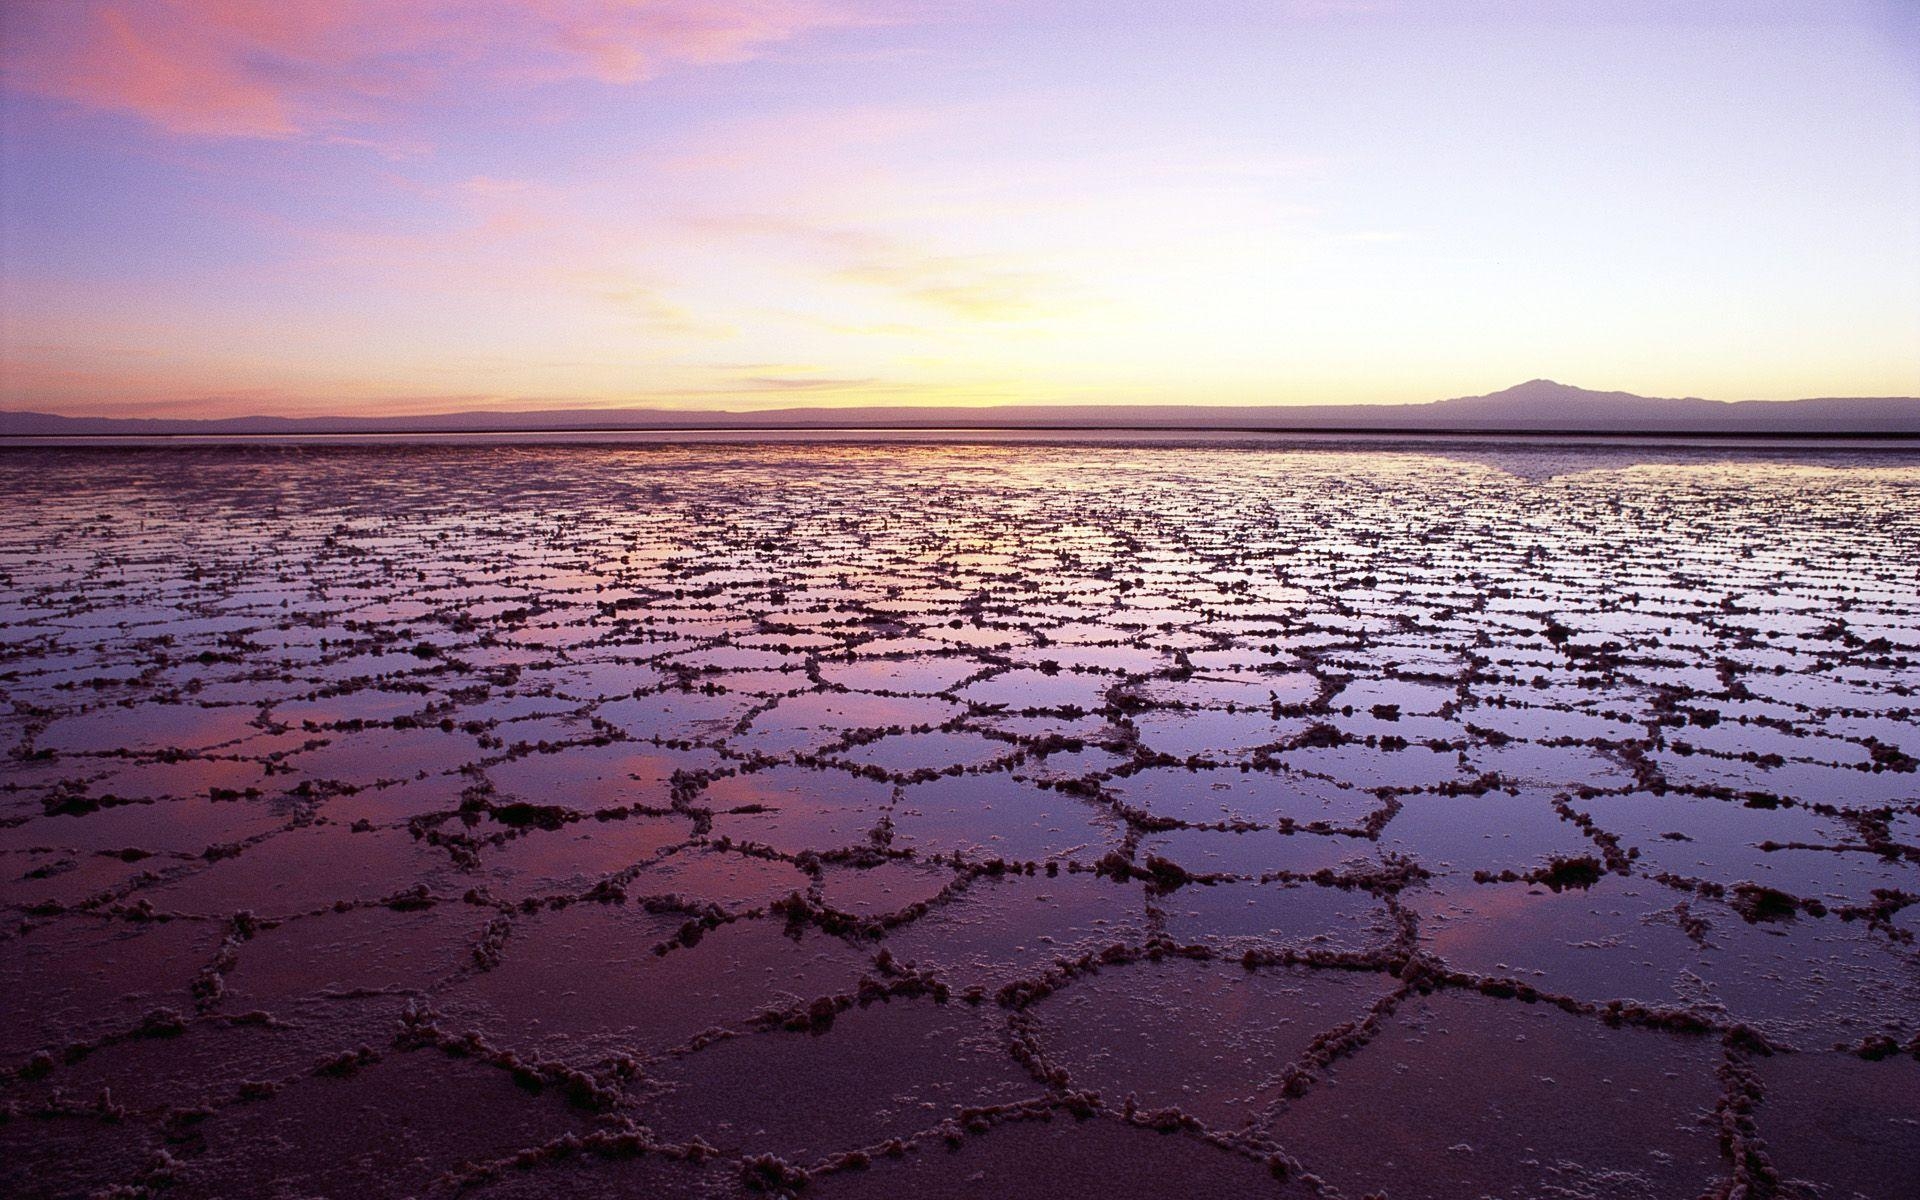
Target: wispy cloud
{"x": 284, "y": 68}
{"x": 644, "y": 302}
{"x": 981, "y": 287}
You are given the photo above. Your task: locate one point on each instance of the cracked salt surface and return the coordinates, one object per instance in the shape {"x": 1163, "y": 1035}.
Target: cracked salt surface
{"x": 958, "y": 820}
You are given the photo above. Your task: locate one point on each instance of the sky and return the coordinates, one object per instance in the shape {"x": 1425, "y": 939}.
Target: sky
{"x": 224, "y": 207}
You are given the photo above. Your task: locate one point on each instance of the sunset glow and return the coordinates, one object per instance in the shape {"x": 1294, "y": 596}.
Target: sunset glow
{"x": 216, "y": 207}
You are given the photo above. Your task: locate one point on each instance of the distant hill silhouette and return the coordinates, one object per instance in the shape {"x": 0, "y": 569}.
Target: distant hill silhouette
{"x": 1544, "y": 404}
{"x": 1539, "y": 405}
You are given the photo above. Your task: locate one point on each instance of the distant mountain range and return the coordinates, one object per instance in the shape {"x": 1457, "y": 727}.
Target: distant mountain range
{"x": 1539, "y": 405}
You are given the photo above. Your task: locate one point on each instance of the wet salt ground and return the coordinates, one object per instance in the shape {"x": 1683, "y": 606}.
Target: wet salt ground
{"x": 958, "y": 820}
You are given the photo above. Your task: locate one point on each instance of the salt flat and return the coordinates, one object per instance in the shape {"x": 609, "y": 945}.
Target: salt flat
{"x": 963, "y": 818}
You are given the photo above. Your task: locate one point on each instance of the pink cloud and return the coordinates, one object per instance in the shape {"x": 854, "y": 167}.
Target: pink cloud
{"x": 281, "y": 68}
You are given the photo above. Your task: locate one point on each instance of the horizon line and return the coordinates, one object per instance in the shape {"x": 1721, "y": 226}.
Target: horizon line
{"x": 1364, "y": 431}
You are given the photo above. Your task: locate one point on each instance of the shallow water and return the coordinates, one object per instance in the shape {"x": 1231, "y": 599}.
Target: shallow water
{"x": 960, "y": 817}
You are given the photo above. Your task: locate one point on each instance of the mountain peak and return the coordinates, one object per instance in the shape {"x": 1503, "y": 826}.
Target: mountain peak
{"x": 1525, "y": 400}
{"x": 1545, "y": 387}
